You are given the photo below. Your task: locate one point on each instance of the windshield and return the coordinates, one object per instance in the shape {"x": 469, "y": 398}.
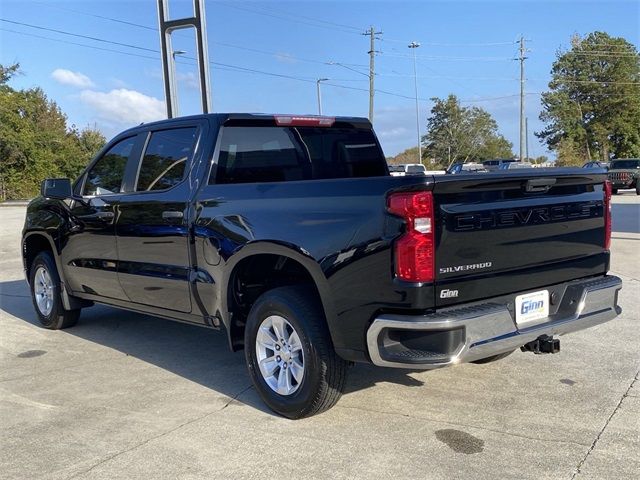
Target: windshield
{"x": 625, "y": 164}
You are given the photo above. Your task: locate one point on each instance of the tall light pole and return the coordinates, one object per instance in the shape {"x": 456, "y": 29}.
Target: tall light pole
{"x": 414, "y": 45}
{"x": 318, "y": 81}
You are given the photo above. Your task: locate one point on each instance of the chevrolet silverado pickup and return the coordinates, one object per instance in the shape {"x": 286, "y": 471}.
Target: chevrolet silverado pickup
{"x": 289, "y": 234}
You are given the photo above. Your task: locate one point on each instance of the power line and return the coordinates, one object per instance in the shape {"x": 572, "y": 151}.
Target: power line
{"x": 217, "y": 65}
{"x": 68, "y": 42}
{"x": 459, "y": 45}
{"x": 447, "y": 58}
{"x": 87, "y": 37}
{"x": 94, "y": 15}
{"x": 314, "y": 19}
{"x": 450, "y": 77}
{"x": 595, "y": 82}
{"x": 224, "y": 66}
{"x": 223, "y": 44}
{"x": 280, "y": 17}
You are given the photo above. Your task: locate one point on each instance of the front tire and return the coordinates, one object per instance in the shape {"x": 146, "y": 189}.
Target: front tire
{"x": 289, "y": 353}
{"x": 46, "y": 294}
{"x": 614, "y": 191}
{"x": 637, "y": 187}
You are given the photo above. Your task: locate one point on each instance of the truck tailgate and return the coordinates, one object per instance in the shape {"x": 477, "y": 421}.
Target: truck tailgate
{"x": 501, "y": 233}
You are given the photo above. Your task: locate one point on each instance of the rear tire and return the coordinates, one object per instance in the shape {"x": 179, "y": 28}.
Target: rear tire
{"x": 493, "y": 358}
{"x": 637, "y": 188}
{"x": 614, "y": 191}
{"x": 287, "y": 334}
{"x": 46, "y": 294}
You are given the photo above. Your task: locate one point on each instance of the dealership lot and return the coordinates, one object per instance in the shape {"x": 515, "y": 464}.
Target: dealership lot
{"x": 123, "y": 395}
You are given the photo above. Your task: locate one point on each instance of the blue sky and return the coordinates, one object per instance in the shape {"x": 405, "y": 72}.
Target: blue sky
{"x": 467, "y": 48}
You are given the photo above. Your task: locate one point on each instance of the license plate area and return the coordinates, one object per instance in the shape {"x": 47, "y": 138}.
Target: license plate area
{"x": 532, "y": 308}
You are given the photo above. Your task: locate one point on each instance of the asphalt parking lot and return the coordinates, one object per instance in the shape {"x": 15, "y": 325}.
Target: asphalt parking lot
{"x": 128, "y": 396}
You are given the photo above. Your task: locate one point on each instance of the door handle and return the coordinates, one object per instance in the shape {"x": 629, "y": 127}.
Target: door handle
{"x": 104, "y": 216}
{"x": 172, "y": 215}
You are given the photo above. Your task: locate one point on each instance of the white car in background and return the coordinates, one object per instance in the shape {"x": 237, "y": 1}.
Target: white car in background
{"x": 412, "y": 169}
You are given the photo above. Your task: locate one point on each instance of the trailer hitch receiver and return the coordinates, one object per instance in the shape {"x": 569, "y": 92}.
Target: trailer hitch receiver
{"x": 542, "y": 344}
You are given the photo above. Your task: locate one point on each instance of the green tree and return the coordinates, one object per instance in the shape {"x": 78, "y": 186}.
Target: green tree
{"x": 410, "y": 155}
{"x": 569, "y": 153}
{"x": 35, "y": 141}
{"x": 592, "y": 108}
{"x": 462, "y": 134}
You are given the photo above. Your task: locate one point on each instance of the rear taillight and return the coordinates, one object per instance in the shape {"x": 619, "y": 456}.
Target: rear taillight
{"x": 414, "y": 251}
{"x": 607, "y": 214}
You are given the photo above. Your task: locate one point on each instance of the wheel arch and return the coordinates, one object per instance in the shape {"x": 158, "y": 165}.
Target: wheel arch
{"x": 34, "y": 243}
{"x": 270, "y": 254}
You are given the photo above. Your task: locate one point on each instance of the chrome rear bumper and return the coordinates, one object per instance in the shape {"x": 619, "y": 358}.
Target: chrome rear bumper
{"x": 480, "y": 330}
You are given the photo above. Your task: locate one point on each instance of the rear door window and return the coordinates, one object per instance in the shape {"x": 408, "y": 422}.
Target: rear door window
{"x": 276, "y": 154}
{"x": 165, "y": 159}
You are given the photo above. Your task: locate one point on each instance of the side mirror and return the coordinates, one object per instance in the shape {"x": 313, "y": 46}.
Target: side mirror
{"x": 58, "y": 188}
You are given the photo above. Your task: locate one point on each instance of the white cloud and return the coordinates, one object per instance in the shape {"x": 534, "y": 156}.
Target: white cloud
{"x": 190, "y": 79}
{"x": 285, "y": 57}
{"x": 396, "y": 127}
{"x": 118, "y": 83}
{"x": 73, "y": 79}
{"x": 124, "y": 106}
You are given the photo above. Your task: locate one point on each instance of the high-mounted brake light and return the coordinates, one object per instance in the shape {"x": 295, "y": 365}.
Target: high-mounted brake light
{"x": 292, "y": 121}
{"x": 607, "y": 215}
{"x": 414, "y": 251}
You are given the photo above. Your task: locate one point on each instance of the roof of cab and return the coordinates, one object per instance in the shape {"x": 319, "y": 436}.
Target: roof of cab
{"x": 222, "y": 117}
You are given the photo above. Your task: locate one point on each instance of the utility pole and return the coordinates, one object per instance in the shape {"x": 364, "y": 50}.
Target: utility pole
{"x": 372, "y": 54}
{"x": 414, "y": 46}
{"x": 318, "y": 81}
{"x": 526, "y": 128}
{"x": 522, "y": 58}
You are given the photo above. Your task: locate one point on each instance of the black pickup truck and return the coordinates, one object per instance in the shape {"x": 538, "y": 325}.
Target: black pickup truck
{"x": 289, "y": 233}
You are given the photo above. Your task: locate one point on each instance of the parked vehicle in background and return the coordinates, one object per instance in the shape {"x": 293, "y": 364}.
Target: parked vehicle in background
{"x": 625, "y": 173}
{"x": 396, "y": 170}
{"x": 413, "y": 169}
{"x": 604, "y": 165}
{"x": 407, "y": 169}
{"x": 289, "y": 234}
{"x": 515, "y": 165}
{"x": 457, "y": 168}
{"x": 492, "y": 165}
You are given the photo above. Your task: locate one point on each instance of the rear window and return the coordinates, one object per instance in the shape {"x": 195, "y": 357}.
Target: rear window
{"x": 166, "y": 158}
{"x": 624, "y": 164}
{"x": 278, "y": 154}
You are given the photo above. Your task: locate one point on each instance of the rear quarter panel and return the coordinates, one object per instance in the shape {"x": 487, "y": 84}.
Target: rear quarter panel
{"x": 339, "y": 225}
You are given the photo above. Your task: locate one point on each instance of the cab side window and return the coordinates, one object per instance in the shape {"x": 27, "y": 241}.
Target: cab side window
{"x": 166, "y": 158}
{"x": 105, "y": 177}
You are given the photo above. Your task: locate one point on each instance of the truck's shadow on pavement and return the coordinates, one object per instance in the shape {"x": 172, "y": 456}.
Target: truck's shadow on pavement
{"x": 195, "y": 353}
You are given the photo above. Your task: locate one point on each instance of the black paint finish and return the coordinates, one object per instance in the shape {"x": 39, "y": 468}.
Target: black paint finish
{"x": 182, "y": 265}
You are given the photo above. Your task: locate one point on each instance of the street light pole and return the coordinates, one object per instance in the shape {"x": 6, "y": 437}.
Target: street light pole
{"x": 318, "y": 81}
{"x": 414, "y": 45}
